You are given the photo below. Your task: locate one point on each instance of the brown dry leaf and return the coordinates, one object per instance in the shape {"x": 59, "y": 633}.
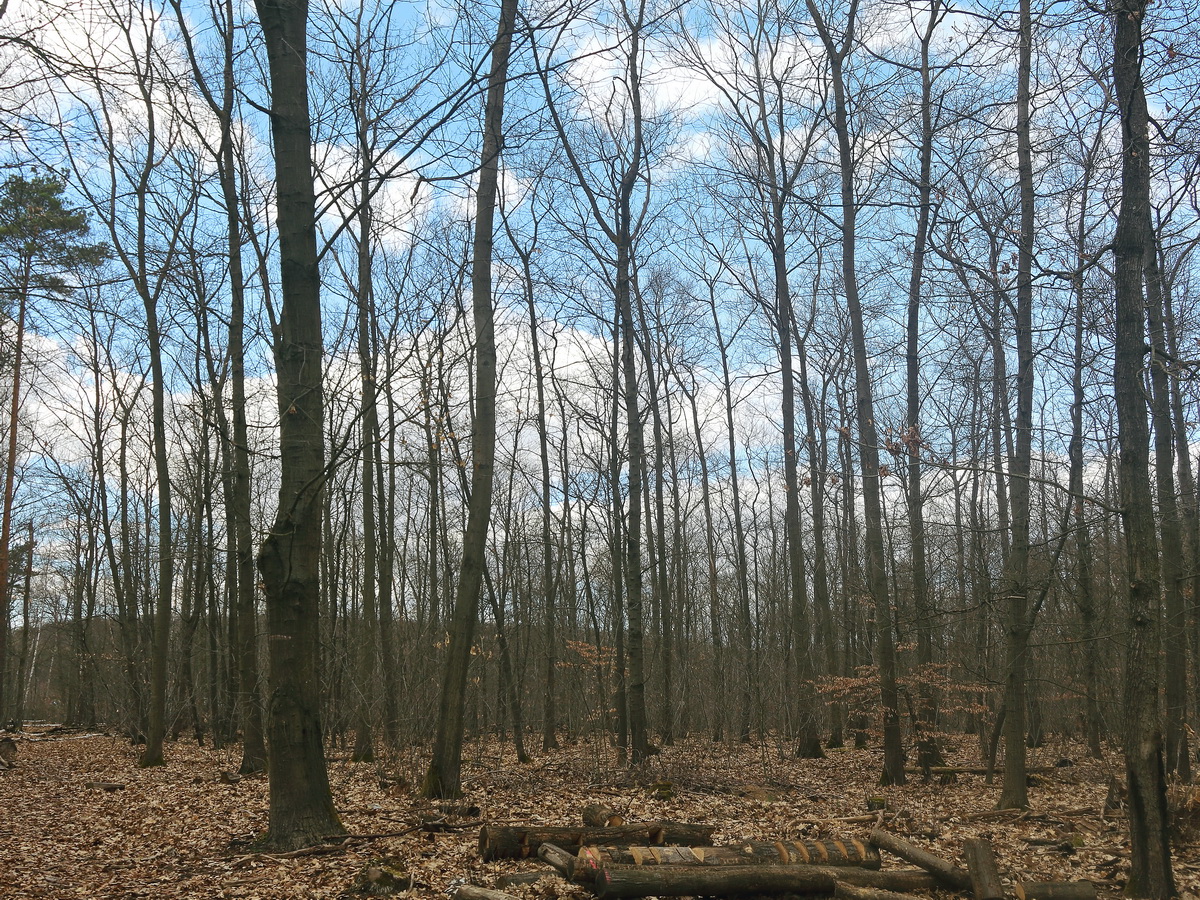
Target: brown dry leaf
{"x": 178, "y": 831}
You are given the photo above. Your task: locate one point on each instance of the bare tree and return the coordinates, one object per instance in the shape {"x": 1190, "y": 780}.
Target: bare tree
{"x": 1150, "y": 874}
{"x": 443, "y": 778}
{"x": 301, "y": 804}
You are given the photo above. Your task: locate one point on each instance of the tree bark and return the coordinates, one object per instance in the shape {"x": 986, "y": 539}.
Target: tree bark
{"x": 1178, "y": 759}
{"x": 512, "y": 842}
{"x": 1014, "y": 792}
{"x": 1150, "y": 873}
{"x": 981, "y": 864}
{"x": 682, "y": 881}
{"x": 947, "y": 873}
{"x": 443, "y": 778}
{"x": 301, "y": 804}
{"x": 837, "y": 54}
{"x": 820, "y": 853}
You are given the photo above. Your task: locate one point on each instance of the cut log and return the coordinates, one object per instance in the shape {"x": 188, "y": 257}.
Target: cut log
{"x": 981, "y": 865}
{"x": 715, "y": 881}
{"x": 597, "y": 815}
{"x": 905, "y": 880}
{"x": 824, "y": 853}
{"x": 518, "y": 842}
{"x": 1055, "y": 890}
{"x": 852, "y": 892}
{"x": 557, "y": 858}
{"x": 471, "y": 892}
{"x": 888, "y": 880}
{"x": 944, "y": 871}
{"x": 519, "y": 878}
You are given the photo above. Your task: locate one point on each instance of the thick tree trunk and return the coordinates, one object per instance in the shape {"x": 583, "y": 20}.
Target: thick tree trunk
{"x": 301, "y": 804}
{"x": 1150, "y": 873}
{"x": 163, "y": 604}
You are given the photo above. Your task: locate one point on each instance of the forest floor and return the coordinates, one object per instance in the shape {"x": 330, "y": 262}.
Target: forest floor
{"x": 180, "y": 831}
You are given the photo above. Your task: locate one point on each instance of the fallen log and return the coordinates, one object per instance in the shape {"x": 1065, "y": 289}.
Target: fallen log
{"x": 471, "y": 892}
{"x": 597, "y": 815}
{"x": 889, "y": 880}
{"x": 586, "y": 870}
{"x": 851, "y": 892}
{"x": 105, "y": 785}
{"x": 518, "y": 842}
{"x": 517, "y": 879}
{"x": 1055, "y": 890}
{"x": 842, "y": 891}
{"x": 557, "y": 858}
{"x": 945, "y": 872}
{"x": 981, "y": 865}
{"x": 824, "y": 853}
{"x": 683, "y": 881}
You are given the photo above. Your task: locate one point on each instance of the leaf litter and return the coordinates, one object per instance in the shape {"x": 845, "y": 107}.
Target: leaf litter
{"x": 79, "y": 819}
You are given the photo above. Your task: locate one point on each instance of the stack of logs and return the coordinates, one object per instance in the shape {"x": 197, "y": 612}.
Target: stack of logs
{"x": 670, "y": 859}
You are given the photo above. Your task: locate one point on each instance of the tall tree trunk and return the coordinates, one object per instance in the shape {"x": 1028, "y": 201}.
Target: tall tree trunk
{"x": 10, "y": 475}
{"x": 1085, "y": 594}
{"x": 911, "y": 440}
{"x": 1189, "y": 512}
{"x": 656, "y": 521}
{"x": 745, "y": 628}
{"x": 301, "y": 804}
{"x": 157, "y": 720}
{"x": 1014, "y": 791}
{"x": 1150, "y": 873}
{"x": 817, "y": 459}
{"x": 549, "y": 582}
{"x": 1178, "y": 761}
{"x": 800, "y": 638}
{"x": 364, "y": 747}
{"x": 893, "y": 749}
{"x": 715, "y": 613}
{"x": 443, "y": 778}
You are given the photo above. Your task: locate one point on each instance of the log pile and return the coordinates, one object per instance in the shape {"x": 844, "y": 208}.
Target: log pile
{"x": 670, "y": 859}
